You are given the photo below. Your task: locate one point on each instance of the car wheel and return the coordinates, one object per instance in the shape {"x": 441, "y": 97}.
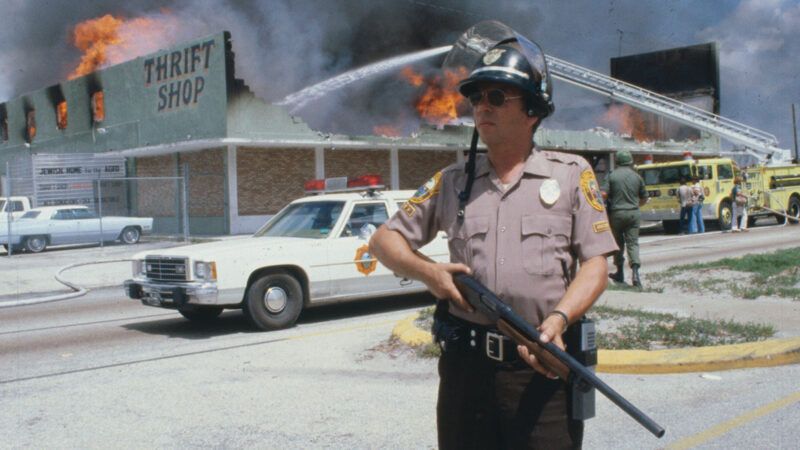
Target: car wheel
{"x": 793, "y": 210}
{"x": 130, "y": 235}
{"x": 35, "y": 244}
{"x": 725, "y": 216}
{"x": 201, "y": 313}
{"x": 274, "y": 301}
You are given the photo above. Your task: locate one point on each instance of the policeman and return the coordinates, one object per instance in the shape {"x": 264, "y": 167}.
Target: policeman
{"x": 625, "y": 192}
{"x": 520, "y": 225}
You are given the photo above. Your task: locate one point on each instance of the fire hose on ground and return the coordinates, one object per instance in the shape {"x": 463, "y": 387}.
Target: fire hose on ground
{"x": 78, "y": 291}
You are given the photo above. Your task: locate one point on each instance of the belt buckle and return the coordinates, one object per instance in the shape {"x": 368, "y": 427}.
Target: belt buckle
{"x": 497, "y": 340}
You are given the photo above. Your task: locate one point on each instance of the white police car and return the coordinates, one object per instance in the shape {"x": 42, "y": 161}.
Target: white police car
{"x": 312, "y": 252}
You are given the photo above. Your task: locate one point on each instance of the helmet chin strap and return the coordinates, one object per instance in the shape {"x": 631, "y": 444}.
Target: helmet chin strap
{"x": 469, "y": 169}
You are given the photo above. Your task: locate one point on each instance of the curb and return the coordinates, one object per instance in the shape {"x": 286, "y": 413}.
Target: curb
{"x": 772, "y": 352}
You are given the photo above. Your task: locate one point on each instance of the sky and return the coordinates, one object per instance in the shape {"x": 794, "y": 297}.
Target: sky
{"x": 282, "y": 46}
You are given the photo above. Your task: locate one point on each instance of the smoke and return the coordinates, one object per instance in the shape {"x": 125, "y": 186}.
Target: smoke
{"x": 282, "y": 46}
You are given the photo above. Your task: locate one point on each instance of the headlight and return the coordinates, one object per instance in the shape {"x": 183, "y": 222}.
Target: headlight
{"x": 139, "y": 269}
{"x": 205, "y": 270}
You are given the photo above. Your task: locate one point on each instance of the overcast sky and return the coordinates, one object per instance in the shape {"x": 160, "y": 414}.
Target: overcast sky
{"x": 284, "y": 45}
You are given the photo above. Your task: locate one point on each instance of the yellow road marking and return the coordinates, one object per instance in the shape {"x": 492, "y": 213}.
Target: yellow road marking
{"x": 719, "y": 430}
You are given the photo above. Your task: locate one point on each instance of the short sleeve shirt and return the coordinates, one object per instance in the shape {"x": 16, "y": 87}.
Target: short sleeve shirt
{"x": 522, "y": 242}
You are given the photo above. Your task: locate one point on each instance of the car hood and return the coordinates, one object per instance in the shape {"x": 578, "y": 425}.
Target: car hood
{"x": 235, "y": 247}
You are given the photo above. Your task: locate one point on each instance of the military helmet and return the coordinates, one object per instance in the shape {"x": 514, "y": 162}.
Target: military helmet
{"x": 624, "y": 158}
{"x": 518, "y": 62}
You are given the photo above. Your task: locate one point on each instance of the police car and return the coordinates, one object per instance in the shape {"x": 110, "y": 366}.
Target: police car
{"x": 314, "y": 251}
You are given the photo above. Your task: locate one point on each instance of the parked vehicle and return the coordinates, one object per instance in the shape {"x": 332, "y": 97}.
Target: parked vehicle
{"x": 312, "y": 252}
{"x": 772, "y": 190}
{"x": 39, "y": 228}
{"x": 14, "y": 205}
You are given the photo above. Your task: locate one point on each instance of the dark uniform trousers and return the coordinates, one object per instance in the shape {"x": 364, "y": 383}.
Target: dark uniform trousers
{"x": 484, "y": 404}
{"x": 625, "y": 226}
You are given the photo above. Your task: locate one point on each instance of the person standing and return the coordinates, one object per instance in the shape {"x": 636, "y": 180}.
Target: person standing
{"x": 696, "y": 224}
{"x": 625, "y": 192}
{"x": 685, "y": 201}
{"x": 519, "y": 219}
{"x": 738, "y": 206}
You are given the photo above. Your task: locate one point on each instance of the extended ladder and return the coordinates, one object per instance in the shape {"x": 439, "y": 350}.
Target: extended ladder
{"x": 756, "y": 140}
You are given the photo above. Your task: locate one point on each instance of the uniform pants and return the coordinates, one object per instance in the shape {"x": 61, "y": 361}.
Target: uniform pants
{"x": 625, "y": 227}
{"x": 488, "y": 405}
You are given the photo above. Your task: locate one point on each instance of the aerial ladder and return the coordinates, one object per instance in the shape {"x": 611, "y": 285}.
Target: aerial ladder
{"x": 758, "y": 143}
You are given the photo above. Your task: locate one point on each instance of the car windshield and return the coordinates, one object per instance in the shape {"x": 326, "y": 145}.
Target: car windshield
{"x": 307, "y": 220}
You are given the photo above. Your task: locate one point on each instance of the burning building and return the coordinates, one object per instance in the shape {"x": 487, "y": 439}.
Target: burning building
{"x": 183, "y": 107}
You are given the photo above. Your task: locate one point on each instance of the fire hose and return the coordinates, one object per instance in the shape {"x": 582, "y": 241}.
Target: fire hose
{"x": 78, "y": 291}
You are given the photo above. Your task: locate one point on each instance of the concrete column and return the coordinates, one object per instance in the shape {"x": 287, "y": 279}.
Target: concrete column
{"x": 233, "y": 191}
{"x": 394, "y": 167}
{"x": 319, "y": 160}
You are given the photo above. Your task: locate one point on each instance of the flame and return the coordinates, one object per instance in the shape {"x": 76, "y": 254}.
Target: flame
{"x": 441, "y": 99}
{"x": 61, "y": 115}
{"x": 629, "y": 121}
{"x": 386, "y": 130}
{"x": 110, "y": 40}
{"x": 98, "y": 107}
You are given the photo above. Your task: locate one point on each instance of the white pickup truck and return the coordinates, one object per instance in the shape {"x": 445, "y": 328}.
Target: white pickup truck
{"x": 14, "y": 205}
{"x": 312, "y": 252}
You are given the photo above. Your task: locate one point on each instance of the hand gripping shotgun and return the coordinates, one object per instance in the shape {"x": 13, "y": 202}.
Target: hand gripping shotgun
{"x": 555, "y": 359}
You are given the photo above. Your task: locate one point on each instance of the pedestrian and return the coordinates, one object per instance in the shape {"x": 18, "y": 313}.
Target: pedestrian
{"x": 625, "y": 191}
{"x": 519, "y": 219}
{"x": 696, "y": 224}
{"x": 685, "y": 201}
{"x": 738, "y": 206}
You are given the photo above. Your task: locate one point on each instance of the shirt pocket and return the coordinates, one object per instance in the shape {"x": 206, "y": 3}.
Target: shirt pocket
{"x": 545, "y": 238}
{"x": 468, "y": 240}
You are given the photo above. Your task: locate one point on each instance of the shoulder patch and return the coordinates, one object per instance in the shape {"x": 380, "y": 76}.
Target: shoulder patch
{"x": 601, "y": 226}
{"x": 427, "y": 190}
{"x": 591, "y": 190}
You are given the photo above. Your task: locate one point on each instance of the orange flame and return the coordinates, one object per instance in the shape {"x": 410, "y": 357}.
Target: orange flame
{"x": 109, "y": 40}
{"x": 441, "y": 99}
{"x": 61, "y": 115}
{"x": 630, "y": 121}
{"x": 386, "y": 130}
{"x": 98, "y": 107}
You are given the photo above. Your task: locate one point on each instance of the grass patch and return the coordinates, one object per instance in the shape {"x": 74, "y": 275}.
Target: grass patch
{"x": 626, "y": 329}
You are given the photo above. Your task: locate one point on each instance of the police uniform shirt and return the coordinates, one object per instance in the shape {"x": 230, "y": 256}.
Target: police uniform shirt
{"x": 514, "y": 239}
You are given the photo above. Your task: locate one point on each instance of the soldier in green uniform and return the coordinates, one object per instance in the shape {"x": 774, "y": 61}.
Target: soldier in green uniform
{"x": 625, "y": 192}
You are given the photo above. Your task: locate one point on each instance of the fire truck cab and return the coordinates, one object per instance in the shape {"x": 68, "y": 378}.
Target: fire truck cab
{"x": 662, "y": 180}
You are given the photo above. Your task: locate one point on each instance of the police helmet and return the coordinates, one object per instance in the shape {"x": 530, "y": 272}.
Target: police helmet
{"x": 520, "y": 63}
{"x": 624, "y": 158}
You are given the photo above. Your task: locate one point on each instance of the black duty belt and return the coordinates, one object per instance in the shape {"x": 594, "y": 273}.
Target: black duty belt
{"x": 455, "y": 334}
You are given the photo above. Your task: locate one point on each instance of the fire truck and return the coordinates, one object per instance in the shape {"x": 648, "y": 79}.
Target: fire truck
{"x": 771, "y": 190}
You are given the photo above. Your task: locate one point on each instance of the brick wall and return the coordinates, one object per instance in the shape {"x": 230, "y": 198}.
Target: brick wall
{"x": 354, "y": 163}
{"x": 268, "y": 179}
{"x": 418, "y": 166}
{"x": 206, "y": 182}
{"x": 156, "y": 198}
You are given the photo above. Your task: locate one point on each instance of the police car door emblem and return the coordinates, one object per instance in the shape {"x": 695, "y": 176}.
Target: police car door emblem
{"x": 549, "y": 191}
{"x": 492, "y": 55}
{"x": 364, "y": 261}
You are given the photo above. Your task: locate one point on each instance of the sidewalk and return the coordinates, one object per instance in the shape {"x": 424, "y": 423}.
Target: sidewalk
{"x": 783, "y": 315}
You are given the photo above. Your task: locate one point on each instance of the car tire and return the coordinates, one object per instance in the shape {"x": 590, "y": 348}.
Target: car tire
{"x": 201, "y": 313}
{"x": 35, "y": 244}
{"x": 130, "y": 235}
{"x": 793, "y": 210}
{"x": 725, "y": 215}
{"x": 274, "y": 301}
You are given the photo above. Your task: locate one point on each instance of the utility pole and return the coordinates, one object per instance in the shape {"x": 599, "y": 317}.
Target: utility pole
{"x": 794, "y": 134}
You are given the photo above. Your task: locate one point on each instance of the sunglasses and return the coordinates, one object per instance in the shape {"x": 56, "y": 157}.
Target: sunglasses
{"x": 496, "y": 97}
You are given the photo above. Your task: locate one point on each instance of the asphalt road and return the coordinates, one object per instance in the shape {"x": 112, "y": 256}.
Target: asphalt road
{"x": 103, "y": 371}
